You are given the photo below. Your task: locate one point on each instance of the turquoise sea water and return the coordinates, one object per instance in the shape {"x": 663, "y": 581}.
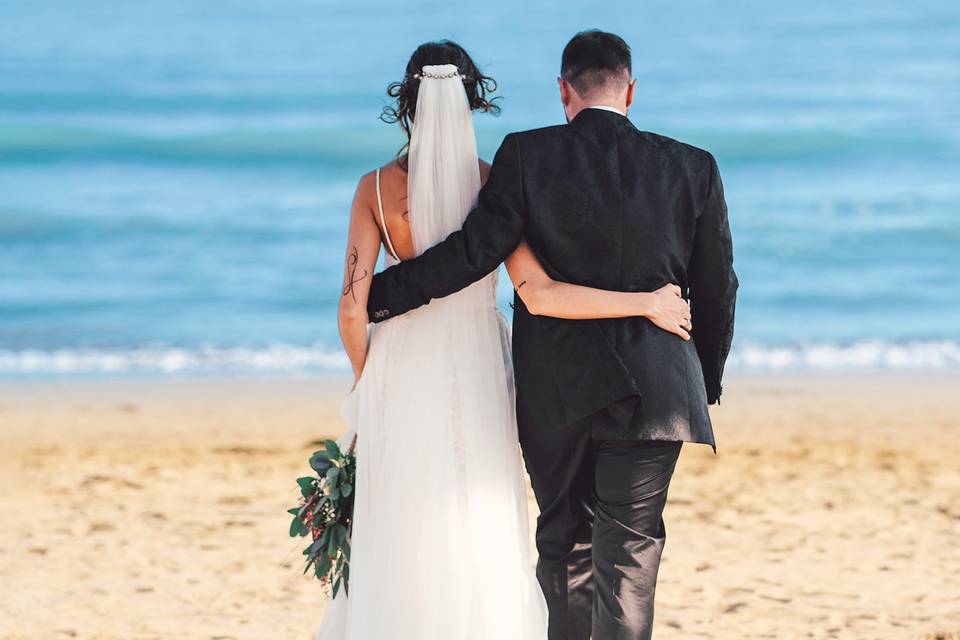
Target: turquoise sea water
{"x": 175, "y": 177}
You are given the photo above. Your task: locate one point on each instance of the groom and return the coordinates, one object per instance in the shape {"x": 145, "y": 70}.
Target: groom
{"x": 603, "y": 406}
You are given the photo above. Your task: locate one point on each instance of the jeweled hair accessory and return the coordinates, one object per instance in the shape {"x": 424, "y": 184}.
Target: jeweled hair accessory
{"x": 435, "y": 72}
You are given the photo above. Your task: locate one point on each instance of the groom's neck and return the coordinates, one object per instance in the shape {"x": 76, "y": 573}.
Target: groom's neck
{"x": 612, "y": 101}
{"x": 574, "y": 110}
{"x": 609, "y": 106}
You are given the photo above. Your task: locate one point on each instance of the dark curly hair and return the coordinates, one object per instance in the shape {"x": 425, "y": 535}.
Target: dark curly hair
{"x": 477, "y": 86}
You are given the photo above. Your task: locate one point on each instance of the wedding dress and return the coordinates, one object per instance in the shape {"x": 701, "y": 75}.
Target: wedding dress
{"x": 440, "y": 542}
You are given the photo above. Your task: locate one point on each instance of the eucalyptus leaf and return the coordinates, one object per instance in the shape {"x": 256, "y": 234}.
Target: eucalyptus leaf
{"x": 307, "y": 486}
{"x": 314, "y": 549}
{"x": 320, "y": 463}
{"x": 332, "y": 449}
{"x": 323, "y": 564}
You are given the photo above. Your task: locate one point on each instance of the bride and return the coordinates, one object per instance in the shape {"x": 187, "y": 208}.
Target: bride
{"x": 440, "y": 542}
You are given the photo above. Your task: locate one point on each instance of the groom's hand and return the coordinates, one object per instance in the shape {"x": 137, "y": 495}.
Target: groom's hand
{"x": 669, "y": 311}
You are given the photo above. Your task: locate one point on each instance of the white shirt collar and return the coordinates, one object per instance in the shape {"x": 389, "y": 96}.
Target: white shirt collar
{"x": 606, "y": 108}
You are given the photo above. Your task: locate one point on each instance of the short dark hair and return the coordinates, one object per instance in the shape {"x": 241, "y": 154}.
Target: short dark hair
{"x": 594, "y": 59}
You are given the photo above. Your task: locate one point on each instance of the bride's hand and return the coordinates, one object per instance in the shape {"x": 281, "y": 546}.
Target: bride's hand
{"x": 669, "y": 311}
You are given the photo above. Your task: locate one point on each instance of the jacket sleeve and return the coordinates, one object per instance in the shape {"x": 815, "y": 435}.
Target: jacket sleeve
{"x": 713, "y": 285}
{"x": 491, "y": 231}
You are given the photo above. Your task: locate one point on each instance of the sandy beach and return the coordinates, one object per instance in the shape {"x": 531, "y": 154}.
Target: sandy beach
{"x": 156, "y": 509}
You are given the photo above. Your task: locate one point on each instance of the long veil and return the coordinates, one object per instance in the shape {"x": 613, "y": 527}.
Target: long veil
{"x": 443, "y": 171}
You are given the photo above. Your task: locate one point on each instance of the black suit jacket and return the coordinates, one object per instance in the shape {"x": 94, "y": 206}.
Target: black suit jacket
{"x": 603, "y": 204}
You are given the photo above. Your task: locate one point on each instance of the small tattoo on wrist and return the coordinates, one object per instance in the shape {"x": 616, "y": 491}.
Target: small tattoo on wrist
{"x": 521, "y": 284}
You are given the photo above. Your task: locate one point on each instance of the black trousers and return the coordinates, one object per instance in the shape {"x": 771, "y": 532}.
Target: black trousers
{"x": 600, "y": 533}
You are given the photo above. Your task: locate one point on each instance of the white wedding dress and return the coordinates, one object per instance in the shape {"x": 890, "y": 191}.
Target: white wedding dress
{"x": 440, "y": 543}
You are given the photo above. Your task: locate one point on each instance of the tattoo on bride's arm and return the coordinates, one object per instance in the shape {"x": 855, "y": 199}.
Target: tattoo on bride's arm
{"x": 353, "y": 261}
{"x": 521, "y": 284}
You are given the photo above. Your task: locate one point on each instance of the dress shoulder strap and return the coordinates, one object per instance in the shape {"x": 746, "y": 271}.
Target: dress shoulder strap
{"x": 383, "y": 222}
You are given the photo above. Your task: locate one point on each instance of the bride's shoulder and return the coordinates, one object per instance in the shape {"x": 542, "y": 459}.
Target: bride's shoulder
{"x": 391, "y": 175}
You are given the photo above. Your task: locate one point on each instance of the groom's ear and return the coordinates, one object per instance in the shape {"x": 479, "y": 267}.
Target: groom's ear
{"x": 630, "y": 88}
{"x": 564, "y": 91}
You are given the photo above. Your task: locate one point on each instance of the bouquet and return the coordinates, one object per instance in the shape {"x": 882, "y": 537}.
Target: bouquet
{"x": 325, "y": 511}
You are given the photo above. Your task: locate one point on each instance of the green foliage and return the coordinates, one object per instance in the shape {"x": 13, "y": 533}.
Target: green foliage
{"x": 326, "y": 513}
{"x": 306, "y": 485}
{"x": 320, "y": 463}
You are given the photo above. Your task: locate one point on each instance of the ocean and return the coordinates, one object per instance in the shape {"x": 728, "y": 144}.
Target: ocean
{"x": 175, "y": 177}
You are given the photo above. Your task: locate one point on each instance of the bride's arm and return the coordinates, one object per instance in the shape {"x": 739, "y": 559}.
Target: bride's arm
{"x": 544, "y": 296}
{"x": 363, "y": 248}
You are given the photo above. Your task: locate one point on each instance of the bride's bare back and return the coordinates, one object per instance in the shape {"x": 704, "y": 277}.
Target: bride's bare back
{"x": 393, "y": 192}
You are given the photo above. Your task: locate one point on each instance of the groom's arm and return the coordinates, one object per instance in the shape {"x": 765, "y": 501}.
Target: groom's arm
{"x": 490, "y": 233}
{"x": 713, "y": 285}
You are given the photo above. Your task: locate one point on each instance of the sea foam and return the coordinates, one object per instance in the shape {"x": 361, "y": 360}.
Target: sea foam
{"x": 288, "y": 358}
